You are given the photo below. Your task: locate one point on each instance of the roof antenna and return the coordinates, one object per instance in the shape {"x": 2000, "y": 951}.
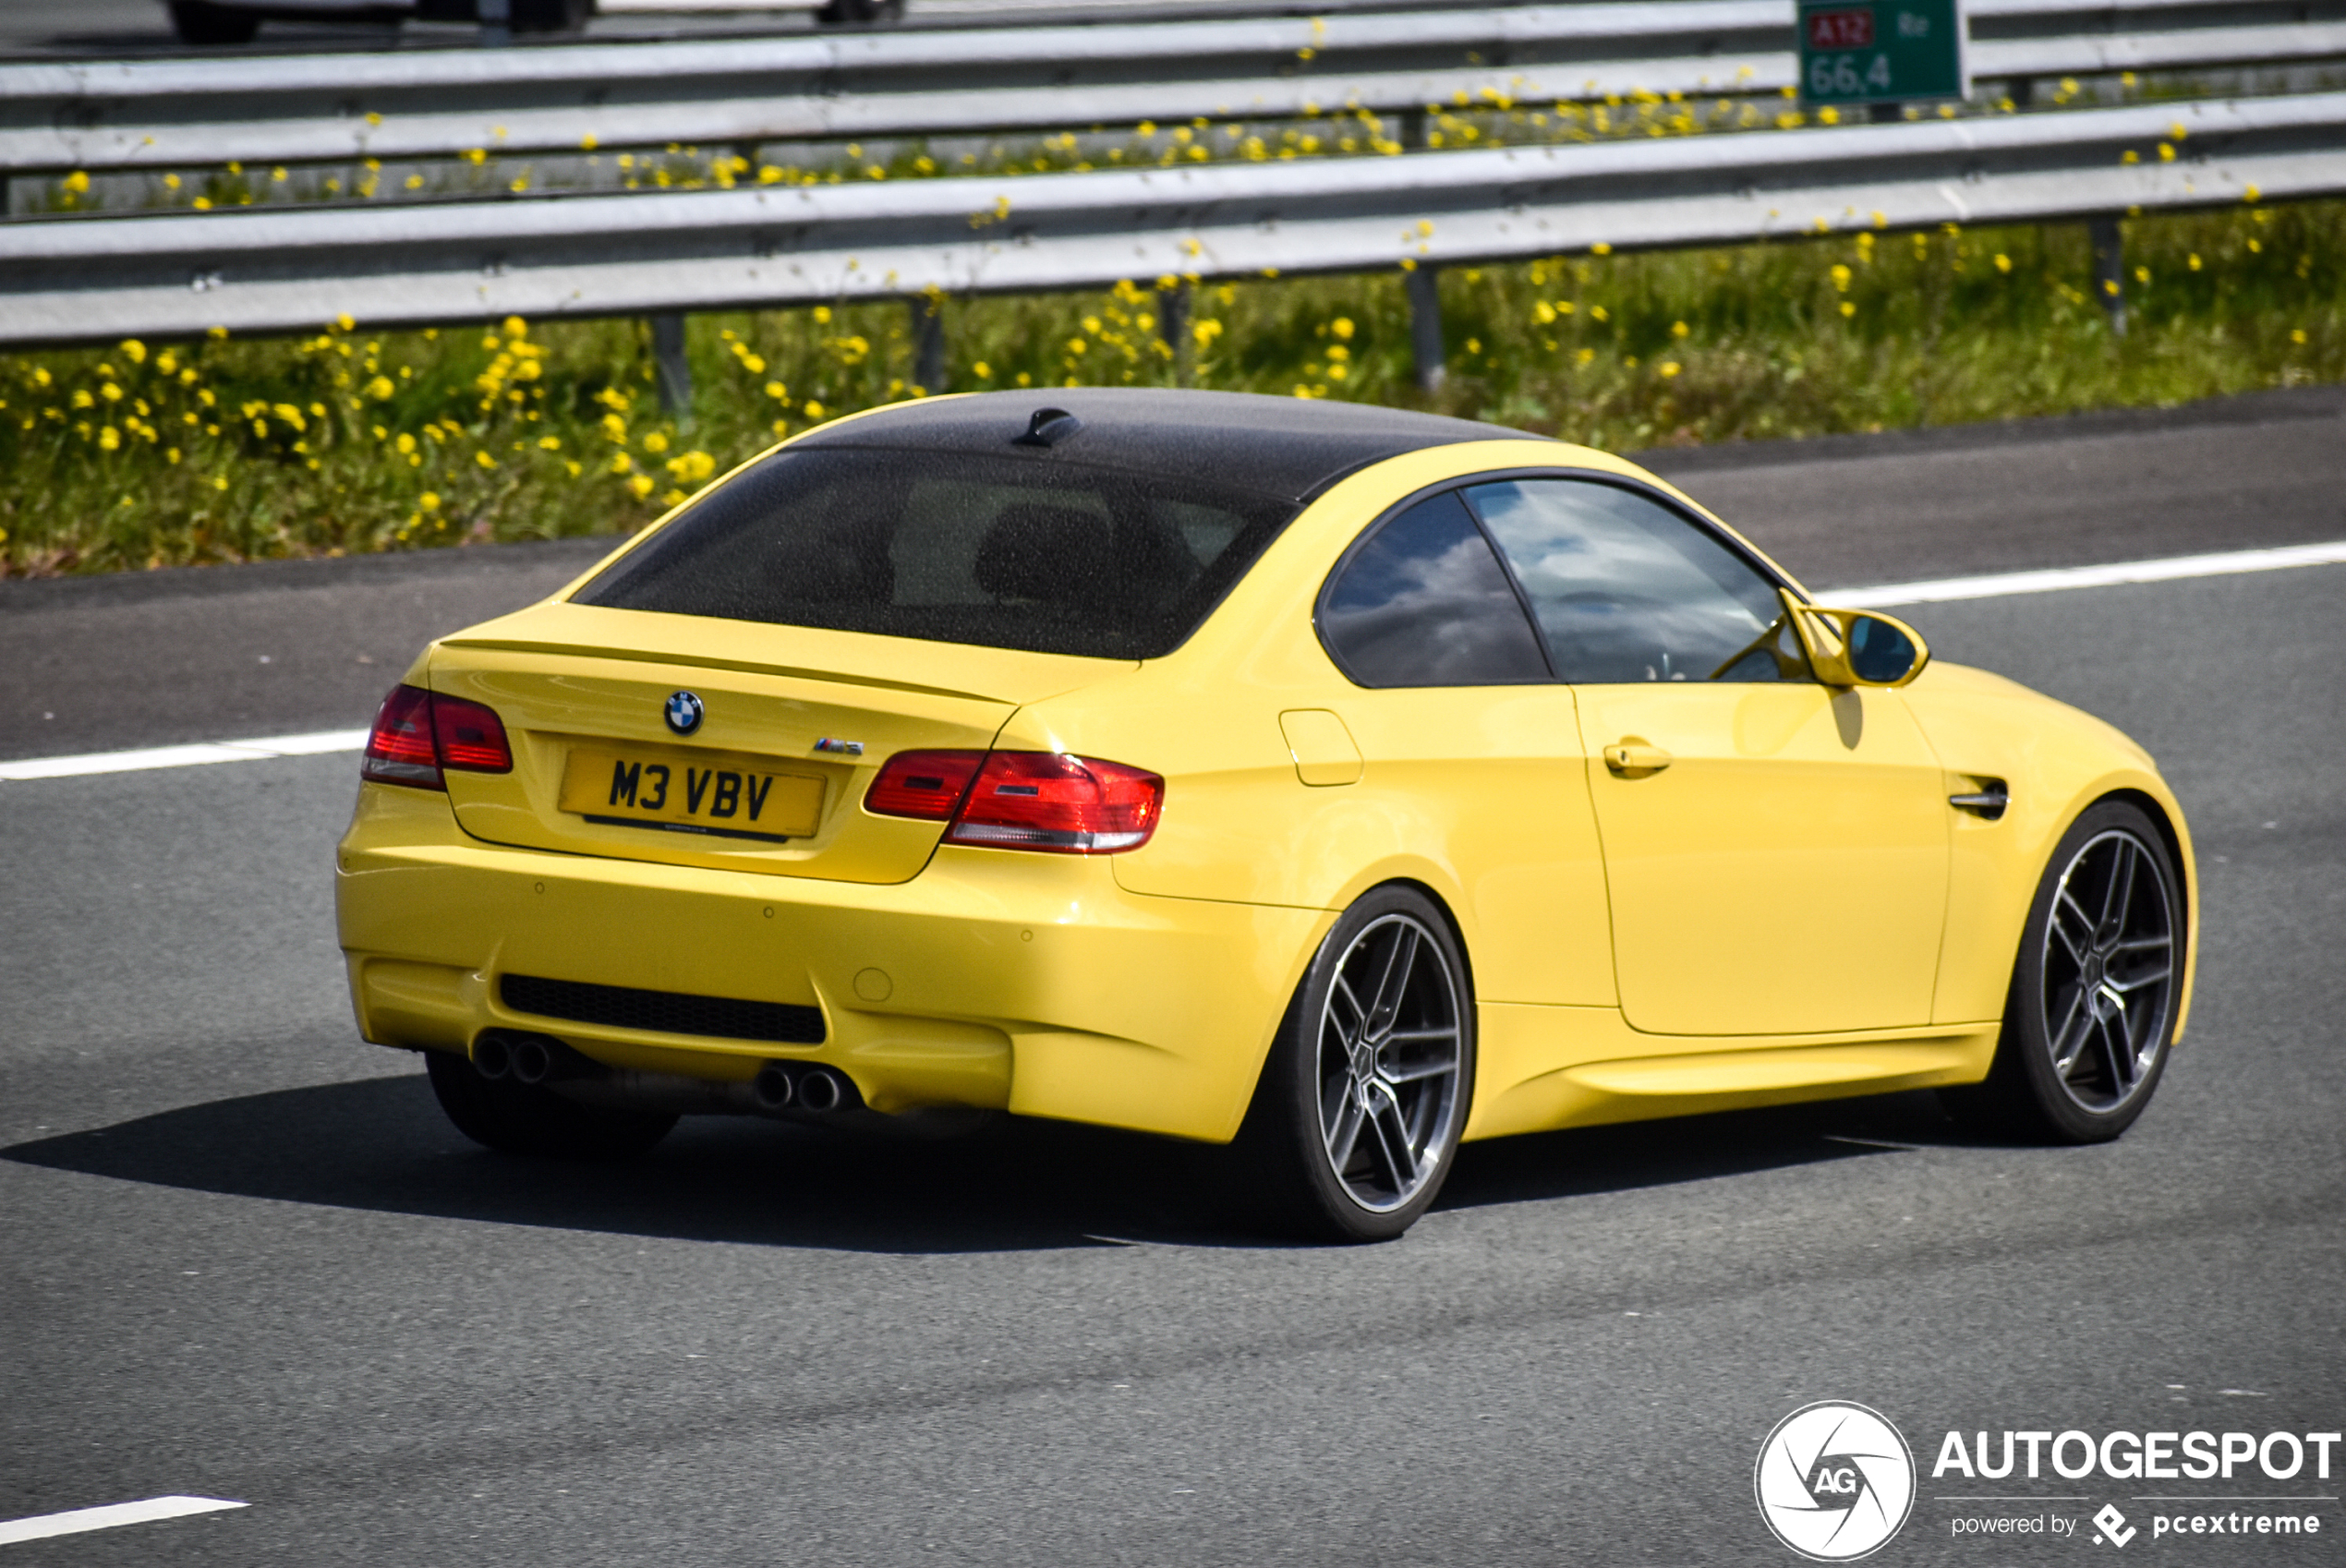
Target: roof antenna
{"x": 1049, "y": 427}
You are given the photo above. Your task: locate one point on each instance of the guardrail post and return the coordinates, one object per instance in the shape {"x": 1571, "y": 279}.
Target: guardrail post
{"x": 1426, "y": 351}
{"x": 674, "y": 372}
{"x": 2109, "y": 270}
{"x": 928, "y": 343}
{"x": 1173, "y": 321}
{"x": 1426, "y": 325}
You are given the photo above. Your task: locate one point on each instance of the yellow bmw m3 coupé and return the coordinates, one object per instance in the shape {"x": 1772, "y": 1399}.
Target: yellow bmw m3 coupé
{"x": 1339, "y": 781}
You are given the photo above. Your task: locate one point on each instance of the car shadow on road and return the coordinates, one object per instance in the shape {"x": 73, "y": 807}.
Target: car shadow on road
{"x": 1013, "y": 1184}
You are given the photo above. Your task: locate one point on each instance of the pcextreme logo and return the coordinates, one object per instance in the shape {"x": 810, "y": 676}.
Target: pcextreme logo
{"x": 1835, "y": 1481}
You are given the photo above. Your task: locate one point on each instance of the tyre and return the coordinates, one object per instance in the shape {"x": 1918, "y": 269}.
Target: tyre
{"x": 196, "y": 21}
{"x": 1356, "y": 1122}
{"x": 530, "y": 1118}
{"x": 2092, "y": 1009}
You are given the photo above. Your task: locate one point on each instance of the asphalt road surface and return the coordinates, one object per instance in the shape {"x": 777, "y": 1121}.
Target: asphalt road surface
{"x": 242, "y": 1257}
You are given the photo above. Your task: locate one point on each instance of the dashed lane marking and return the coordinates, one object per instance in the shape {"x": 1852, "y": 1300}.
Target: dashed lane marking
{"x": 43, "y": 1525}
{"x": 2003, "y": 585}
{"x": 194, "y": 755}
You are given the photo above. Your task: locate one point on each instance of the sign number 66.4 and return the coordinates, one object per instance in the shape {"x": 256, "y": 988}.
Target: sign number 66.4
{"x": 1883, "y": 51}
{"x": 1841, "y": 76}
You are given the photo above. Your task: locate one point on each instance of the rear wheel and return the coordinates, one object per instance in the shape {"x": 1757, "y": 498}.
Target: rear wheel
{"x": 530, "y": 1118}
{"x": 2094, "y": 993}
{"x": 1356, "y": 1122}
{"x": 198, "y": 22}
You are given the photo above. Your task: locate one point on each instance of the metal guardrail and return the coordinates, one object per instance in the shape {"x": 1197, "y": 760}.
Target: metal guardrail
{"x": 140, "y": 115}
{"x": 259, "y": 271}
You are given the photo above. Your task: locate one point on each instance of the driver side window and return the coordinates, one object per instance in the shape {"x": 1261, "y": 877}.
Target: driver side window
{"x": 1624, "y": 590}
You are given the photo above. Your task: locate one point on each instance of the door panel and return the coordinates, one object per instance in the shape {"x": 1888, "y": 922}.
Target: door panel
{"x": 1775, "y": 853}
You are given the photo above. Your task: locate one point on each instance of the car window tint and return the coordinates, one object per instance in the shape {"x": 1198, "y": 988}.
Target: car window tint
{"x": 1624, "y": 588}
{"x": 1014, "y": 552}
{"x": 1424, "y": 603}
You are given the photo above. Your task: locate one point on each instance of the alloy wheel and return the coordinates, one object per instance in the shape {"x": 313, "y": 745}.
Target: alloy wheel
{"x": 1389, "y": 1060}
{"x": 2109, "y": 971}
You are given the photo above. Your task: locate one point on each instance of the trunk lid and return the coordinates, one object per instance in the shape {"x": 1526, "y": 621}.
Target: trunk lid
{"x": 793, "y": 724}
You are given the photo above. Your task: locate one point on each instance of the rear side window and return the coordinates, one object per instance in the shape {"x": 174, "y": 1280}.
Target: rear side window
{"x": 1626, "y": 589}
{"x": 1423, "y": 602}
{"x": 1009, "y": 552}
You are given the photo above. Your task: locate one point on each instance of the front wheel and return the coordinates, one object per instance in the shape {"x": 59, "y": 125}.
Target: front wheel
{"x": 2094, "y": 993}
{"x": 530, "y": 1118}
{"x": 1356, "y": 1122}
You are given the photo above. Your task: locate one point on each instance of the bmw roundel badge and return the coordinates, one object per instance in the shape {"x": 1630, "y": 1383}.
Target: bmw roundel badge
{"x": 684, "y": 712}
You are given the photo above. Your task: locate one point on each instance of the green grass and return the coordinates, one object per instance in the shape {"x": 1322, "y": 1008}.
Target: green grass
{"x": 153, "y": 454}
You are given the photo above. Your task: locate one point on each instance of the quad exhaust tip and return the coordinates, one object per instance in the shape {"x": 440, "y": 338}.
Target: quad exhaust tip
{"x": 525, "y": 1058}
{"x": 773, "y": 1087}
{"x": 492, "y": 1058}
{"x": 532, "y": 1062}
{"x": 820, "y": 1090}
{"x": 780, "y": 1086}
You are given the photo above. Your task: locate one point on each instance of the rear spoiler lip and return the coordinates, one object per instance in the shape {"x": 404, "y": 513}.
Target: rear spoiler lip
{"x": 753, "y": 667}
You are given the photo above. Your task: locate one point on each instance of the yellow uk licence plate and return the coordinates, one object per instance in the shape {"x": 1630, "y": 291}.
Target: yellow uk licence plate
{"x": 718, "y": 793}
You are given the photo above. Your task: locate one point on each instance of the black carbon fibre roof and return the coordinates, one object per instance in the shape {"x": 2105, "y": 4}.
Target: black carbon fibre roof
{"x": 1288, "y": 447}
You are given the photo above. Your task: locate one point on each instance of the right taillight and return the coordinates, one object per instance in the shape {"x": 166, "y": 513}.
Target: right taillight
{"x": 1046, "y": 801}
{"x": 416, "y": 735}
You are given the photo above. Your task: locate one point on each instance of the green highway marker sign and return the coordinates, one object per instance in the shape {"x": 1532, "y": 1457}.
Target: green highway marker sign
{"x": 1881, "y": 51}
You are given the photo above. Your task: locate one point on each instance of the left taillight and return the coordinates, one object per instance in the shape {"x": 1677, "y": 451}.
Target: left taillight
{"x": 417, "y": 735}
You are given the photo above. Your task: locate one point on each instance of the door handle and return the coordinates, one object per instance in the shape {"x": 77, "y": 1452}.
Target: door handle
{"x": 1634, "y": 758}
{"x": 1989, "y": 802}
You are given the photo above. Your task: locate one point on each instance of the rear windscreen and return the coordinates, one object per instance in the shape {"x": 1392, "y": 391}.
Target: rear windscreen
{"x": 1008, "y": 552}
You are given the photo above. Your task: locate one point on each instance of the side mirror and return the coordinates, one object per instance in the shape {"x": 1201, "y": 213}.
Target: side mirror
{"x": 1857, "y": 647}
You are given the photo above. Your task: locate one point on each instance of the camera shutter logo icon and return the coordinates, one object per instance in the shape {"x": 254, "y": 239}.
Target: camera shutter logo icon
{"x": 1835, "y": 1481}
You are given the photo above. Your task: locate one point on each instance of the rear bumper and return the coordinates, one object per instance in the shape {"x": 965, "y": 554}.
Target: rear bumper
{"x": 997, "y": 979}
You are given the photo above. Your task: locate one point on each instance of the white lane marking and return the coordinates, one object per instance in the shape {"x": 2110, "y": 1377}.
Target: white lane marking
{"x": 106, "y": 1518}
{"x": 187, "y": 757}
{"x": 2002, "y": 583}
